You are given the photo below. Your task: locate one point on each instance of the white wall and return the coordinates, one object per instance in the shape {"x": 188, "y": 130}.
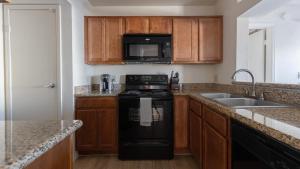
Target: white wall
{"x": 286, "y": 37}
{"x": 82, "y": 72}
{"x": 230, "y": 9}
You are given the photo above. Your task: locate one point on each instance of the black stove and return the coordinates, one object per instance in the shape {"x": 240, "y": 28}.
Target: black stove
{"x": 147, "y": 93}
{"x": 146, "y": 142}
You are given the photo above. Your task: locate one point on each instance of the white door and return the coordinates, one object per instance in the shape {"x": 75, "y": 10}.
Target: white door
{"x": 31, "y": 62}
{"x": 257, "y": 55}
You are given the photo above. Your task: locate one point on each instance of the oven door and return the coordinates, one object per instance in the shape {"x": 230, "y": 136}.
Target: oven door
{"x": 129, "y": 120}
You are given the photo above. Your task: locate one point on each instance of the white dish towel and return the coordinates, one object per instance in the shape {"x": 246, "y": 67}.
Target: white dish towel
{"x": 146, "y": 111}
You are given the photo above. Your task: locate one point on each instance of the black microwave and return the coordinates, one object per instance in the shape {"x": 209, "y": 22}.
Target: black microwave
{"x": 147, "y": 48}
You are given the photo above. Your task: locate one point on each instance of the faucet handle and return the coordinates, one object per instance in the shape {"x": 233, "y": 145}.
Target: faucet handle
{"x": 246, "y": 91}
{"x": 263, "y": 94}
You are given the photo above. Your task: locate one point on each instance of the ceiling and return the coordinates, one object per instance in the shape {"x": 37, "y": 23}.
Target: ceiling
{"x": 151, "y": 2}
{"x": 289, "y": 11}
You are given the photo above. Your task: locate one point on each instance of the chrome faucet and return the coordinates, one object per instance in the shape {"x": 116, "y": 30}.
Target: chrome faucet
{"x": 252, "y": 77}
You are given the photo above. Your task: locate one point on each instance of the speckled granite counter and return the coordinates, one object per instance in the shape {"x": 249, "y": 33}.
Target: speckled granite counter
{"x": 282, "y": 124}
{"x": 21, "y": 142}
{"x": 97, "y": 94}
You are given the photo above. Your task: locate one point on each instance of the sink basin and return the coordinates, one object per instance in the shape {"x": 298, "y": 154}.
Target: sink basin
{"x": 247, "y": 103}
{"x": 219, "y": 95}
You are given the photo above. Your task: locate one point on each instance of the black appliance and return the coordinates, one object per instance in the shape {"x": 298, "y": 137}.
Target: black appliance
{"x": 147, "y": 48}
{"x": 138, "y": 142}
{"x": 252, "y": 149}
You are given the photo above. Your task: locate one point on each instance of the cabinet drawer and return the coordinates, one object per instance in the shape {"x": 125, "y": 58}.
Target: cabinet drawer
{"x": 96, "y": 102}
{"x": 216, "y": 120}
{"x": 195, "y": 107}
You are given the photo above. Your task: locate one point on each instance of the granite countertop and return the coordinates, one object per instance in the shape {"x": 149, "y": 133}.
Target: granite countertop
{"x": 89, "y": 93}
{"x": 21, "y": 142}
{"x": 282, "y": 124}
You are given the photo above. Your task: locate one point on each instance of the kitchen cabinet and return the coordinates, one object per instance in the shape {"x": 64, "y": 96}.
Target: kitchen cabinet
{"x": 185, "y": 40}
{"x": 94, "y": 40}
{"x": 215, "y": 149}
{"x": 58, "y": 157}
{"x": 103, "y": 40}
{"x": 114, "y": 30}
{"x": 210, "y": 39}
{"x": 181, "y": 124}
{"x": 108, "y": 130}
{"x": 99, "y": 131}
{"x": 88, "y": 130}
{"x": 196, "y": 39}
{"x": 160, "y": 25}
{"x": 209, "y": 137}
{"x": 196, "y": 136}
{"x": 137, "y": 24}
{"x": 215, "y": 140}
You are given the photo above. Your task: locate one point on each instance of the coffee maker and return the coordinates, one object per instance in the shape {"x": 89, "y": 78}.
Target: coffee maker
{"x": 106, "y": 81}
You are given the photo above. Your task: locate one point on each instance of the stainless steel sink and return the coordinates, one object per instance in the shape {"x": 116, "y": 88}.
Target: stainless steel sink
{"x": 219, "y": 95}
{"x": 247, "y": 103}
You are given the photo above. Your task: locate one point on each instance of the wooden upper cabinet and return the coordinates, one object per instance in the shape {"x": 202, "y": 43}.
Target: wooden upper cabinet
{"x": 160, "y": 25}
{"x": 114, "y": 30}
{"x": 181, "y": 124}
{"x": 210, "y": 39}
{"x": 94, "y": 40}
{"x": 185, "y": 40}
{"x": 195, "y": 39}
{"x": 137, "y": 24}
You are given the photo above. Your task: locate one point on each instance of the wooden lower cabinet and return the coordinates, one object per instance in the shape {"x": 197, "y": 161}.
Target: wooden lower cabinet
{"x": 87, "y": 135}
{"x": 99, "y": 131}
{"x": 209, "y": 137}
{"x": 181, "y": 124}
{"x": 215, "y": 149}
{"x": 196, "y": 136}
{"x": 59, "y": 157}
{"x": 108, "y": 130}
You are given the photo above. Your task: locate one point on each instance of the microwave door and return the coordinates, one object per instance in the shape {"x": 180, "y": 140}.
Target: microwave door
{"x": 144, "y": 52}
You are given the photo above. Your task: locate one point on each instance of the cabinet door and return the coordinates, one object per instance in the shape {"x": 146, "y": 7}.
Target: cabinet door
{"x": 86, "y": 136}
{"x": 185, "y": 40}
{"x": 107, "y": 130}
{"x": 196, "y": 136}
{"x": 114, "y": 30}
{"x": 181, "y": 128}
{"x": 210, "y": 39}
{"x": 94, "y": 40}
{"x": 136, "y": 24}
{"x": 215, "y": 149}
{"x": 160, "y": 24}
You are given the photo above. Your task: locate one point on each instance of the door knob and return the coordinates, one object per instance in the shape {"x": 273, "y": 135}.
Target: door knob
{"x": 50, "y": 85}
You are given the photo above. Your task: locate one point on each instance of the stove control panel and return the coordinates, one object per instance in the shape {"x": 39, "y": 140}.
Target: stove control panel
{"x": 147, "y": 80}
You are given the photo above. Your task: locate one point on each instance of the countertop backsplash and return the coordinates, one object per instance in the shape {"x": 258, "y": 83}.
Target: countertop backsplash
{"x": 286, "y": 94}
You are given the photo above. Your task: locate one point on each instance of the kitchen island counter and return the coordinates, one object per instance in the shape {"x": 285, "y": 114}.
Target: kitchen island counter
{"x": 22, "y": 142}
